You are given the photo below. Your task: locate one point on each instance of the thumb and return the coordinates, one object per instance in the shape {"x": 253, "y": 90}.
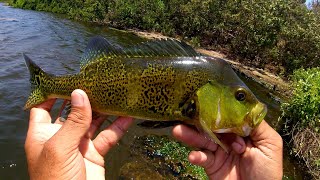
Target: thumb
{"x": 264, "y": 135}
{"x": 78, "y": 121}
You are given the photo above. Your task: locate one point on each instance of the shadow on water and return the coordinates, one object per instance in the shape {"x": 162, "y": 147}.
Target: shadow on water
{"x": 56, "y": 44}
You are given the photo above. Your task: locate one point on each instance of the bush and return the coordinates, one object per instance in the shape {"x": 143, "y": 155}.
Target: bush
{"x": 281, "y": 32}
{"x": 304, "y": 106}
{"x": 301, "y": 117}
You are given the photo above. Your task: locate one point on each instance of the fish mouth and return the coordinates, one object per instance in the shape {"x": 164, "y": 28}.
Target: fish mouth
{"x": 258, "y": 113}
{"x": 252, "y": 120}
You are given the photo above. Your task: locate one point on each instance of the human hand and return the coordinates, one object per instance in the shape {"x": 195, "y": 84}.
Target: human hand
{"x": 256, "y": 157}
{"x": 65, "y": 150}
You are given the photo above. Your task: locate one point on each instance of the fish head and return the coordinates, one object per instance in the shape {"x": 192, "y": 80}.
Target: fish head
{"x": 228, "y": 106}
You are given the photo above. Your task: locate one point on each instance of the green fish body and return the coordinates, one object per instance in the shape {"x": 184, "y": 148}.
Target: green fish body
{"x": 162, "y": 80}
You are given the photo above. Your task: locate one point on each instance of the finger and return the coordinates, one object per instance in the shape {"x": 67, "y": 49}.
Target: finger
{"x": 65, "y": 109}
{"x": 239, "y": 145}
{"x": 220, "y": 157}
{"x": 60, "y": 120}
{"x": 110, "y": 136}
{"x": 265, "y": 135}
{"x": 65, "y": 102}
{"x": 78, "y": 121}
{"x": 205, "y": 159}
{"x": 41, "y": 112}
{"x": 235, "y": 142}
{"x": 261, "y": 131}
{"x": 210, "y": 161}
{"x": 228, "y": 168}
{"x": 267, "y": 140}
{"x": 193, "y": 138}
{"x": 96, "y": 124}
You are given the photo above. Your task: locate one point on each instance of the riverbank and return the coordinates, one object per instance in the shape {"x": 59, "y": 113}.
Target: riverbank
{"x": 279, "y": 87}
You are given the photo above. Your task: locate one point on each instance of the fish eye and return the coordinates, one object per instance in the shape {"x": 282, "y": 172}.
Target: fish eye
{"x": 240, "y": 95}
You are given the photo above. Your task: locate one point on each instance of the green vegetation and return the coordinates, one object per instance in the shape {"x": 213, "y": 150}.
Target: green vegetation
{"x": 175, "y": 155}
{"x": 278, "y": 33}
{"x": 304, "y": 107}
{"x": 301, "y": 116}
{"x": 89, "y": 10}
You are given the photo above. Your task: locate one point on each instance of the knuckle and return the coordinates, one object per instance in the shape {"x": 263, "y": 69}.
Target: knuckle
{"x": 119, "y": 128}
{"x": 109, "y": 142}
{"x": 208, "y": 163}
{"x": 206, "y": 144}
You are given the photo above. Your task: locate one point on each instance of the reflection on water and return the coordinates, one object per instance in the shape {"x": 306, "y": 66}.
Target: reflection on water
{"x": 56, "y": 45}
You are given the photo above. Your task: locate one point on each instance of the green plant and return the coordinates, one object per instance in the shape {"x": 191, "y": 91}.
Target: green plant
{"x": 304, "y": 106}
{"x": 301, "y": 118}
{"x": 175, "y": 155}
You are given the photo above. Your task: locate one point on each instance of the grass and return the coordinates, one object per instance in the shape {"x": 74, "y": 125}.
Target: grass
{"x": 174, "y": 154}
{"x": 301, "y": 117}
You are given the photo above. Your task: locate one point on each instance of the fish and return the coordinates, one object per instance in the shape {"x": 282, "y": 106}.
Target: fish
{"x": 158, "y": 80}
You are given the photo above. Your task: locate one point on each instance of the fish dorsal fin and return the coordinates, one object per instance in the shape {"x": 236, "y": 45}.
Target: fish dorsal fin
{"x": 100, "y": 47}
{"x": 161, "y": 47}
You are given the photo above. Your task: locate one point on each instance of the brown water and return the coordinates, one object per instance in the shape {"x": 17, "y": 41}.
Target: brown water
{"x": 56, "y": 45}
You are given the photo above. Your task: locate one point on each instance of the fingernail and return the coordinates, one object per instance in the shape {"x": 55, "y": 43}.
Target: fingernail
{"x": 61, "y": 119}
{"x": 76, "y": 99}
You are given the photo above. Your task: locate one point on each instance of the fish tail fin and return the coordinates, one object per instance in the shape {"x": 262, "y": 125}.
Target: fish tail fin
{"x": 37, "y": 95}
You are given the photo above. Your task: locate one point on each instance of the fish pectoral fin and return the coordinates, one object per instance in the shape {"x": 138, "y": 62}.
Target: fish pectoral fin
{"x": 217, "y": 140}
{"x": 213, "y": 136}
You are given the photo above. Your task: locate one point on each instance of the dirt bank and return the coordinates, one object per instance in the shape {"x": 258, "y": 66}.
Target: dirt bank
{"x": 274, "y": 83}
{"x": 277, "y": 85}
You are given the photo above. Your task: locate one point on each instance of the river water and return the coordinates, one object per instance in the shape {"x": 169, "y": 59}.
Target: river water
{"x": 56, "y": 44}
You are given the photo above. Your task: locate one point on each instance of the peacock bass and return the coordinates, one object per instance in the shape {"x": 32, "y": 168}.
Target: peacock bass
{"x": 162, "y": 80}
